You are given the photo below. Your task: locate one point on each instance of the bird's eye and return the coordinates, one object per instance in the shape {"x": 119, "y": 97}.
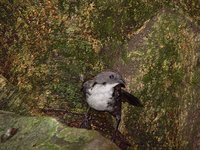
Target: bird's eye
{"x": 111, "y": 76}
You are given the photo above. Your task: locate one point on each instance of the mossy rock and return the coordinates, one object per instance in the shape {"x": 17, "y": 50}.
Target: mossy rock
{"x": 161, "y": 66}
{"x": 46, "y": 133}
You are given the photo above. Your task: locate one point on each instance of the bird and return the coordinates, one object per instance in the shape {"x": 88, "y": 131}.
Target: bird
{"x": 105, "y": 93}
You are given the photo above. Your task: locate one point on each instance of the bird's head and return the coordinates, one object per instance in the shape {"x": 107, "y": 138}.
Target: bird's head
{"x": 110, "y": 77}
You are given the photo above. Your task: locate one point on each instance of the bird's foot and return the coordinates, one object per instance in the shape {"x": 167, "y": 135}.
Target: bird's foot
{"x": 120, "y": 140}
{"x": 113, "y": 138}
{"x": 85, "y": 124}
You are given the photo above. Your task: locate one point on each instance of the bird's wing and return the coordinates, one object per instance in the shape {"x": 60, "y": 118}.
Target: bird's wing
{"x": 87, "y": 85}
{"x": 127, "y": 97}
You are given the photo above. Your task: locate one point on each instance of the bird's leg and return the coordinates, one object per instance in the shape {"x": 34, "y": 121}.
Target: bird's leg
{"x": 118, "y": 119}
{"x": 86, "y": 122}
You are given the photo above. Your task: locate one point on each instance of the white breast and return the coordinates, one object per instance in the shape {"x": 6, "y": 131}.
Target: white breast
{"x": 100, "y": 96}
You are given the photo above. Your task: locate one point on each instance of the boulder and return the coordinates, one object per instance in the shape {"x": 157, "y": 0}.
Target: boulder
{"x": 46, "y": 133}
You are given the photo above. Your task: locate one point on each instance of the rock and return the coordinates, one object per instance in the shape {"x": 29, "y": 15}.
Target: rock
{"x": 47, "y": 133}
{"x": 162, "y": 69}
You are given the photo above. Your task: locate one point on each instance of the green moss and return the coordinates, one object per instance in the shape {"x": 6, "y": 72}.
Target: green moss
{"x": 75, "y": 135}
{"x": 31, "y": 130}
{"x": 166, "y": 63}
{"x": 47, "y": 133}
{"x": 48, "y": 146}
{"x": 46, "y": 45}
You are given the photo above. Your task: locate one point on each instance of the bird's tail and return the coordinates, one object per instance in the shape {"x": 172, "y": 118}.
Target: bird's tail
{"x": 127, "y": 97}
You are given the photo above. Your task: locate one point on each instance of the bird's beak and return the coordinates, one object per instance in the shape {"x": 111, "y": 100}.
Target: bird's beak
{"x": 122, "y": 83}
